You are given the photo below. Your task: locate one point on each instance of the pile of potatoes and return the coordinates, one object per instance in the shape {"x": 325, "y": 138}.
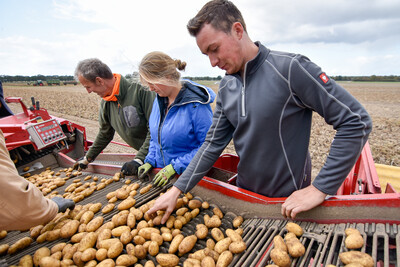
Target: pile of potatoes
{"x": 131, "y": 235}
{"x": 288, "y": 247}
{"x": 354, "y": 240}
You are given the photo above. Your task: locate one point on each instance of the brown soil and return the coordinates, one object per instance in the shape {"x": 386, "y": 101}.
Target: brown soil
{"x": 382, "y": 101}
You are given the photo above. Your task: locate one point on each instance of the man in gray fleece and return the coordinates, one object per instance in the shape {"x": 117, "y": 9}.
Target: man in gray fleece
{"x": 265, "y": 103}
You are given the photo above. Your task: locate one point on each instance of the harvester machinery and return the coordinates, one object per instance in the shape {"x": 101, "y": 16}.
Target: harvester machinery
{"x": 37, "y": 140}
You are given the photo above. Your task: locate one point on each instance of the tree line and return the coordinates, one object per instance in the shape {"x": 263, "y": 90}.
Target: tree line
{"x": 20, "y": 78}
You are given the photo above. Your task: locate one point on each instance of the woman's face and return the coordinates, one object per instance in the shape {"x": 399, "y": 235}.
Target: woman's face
{"x": 161, "y": 89}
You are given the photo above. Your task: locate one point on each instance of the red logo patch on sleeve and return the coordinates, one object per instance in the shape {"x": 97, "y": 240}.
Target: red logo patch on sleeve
{"x": 323, "y": 77}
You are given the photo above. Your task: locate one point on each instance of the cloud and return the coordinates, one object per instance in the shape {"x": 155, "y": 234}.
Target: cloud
{"x": 50, "y": 37}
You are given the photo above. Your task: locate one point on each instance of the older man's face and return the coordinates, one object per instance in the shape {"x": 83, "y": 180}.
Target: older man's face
{"x": 97, "y": 87}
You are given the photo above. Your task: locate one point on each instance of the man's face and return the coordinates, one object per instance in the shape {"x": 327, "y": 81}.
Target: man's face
{"x": 222, "y": 49}
{"x": 97, "y": 87}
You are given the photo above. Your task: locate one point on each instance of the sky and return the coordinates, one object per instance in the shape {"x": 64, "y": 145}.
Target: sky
{"x": 49, "y": 37}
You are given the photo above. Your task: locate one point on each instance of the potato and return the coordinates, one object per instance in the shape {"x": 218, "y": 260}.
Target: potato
{"x": 217, "y": 234}
{"x": 354, "y": 241}
{"x": 237, "y": 247}
{"x": 119, "y": 230}
{"x": 212, "y": 253}
{"x": 210, "y": 243}
{"x": 207, "y": 262}
{"x": 191, "y": 263}
{"x": 235, "y": 237}
{"x": 68, "y": 251}
{"x": 198, "y": 255}
{"x": 212, "y": 222}
{"x": 222, "y": 245}
{"x": 356, "y": 257}
{"x": 126, "y": 260}
{"x": 107, "y": 243}
{"x": 57, "y": 255}
{"x": 175, "y": 244}
{"x": 294, "y": 228}
{"x": 218, "y": 212}
{"x": 49, "y": 262}
{"x": 4, "y": 248}
{"x": 181, "y": 211}
{"x": 58, "y": 247}
{"x": 350, "y": 231}
{"x": 106, "y": 263}
{"x": 126, "y": 237}
{"x": 140, "y": 252}
{"x": 167, "y": 237}
{"x": 131, "y": 220}
{"x": 69, "y": 229}
{"x": 279, "y": 243}
{"x": 194, "y": 204}
{"x": 201, "y": 231}
{"x": 237, "y": 221}
{"x": 295, "y": 247}
{"x": 94, "y": 224}
{"x": 121, "y": 193}
{"x": 147, "y": 231}
{"x": 35, "y": 231}
{"x": 67, "y": 262}
{"x": 101, "y": 254}
{"x": 224, "y": 259}
{"x": 127, "y": 203}
{"x": 53, "y": 235}
{"x": 108, "y": 208}
{"x": 88, "y": 241}
{"x": 280, "y": 258}
{"x": 157, "y": 238}
{"x": 87, "y": 217}
{"x": 187, "y": 244}
{"x": 145, "y": 189}
{"x": 89, "y": 254}
{"x": 20, "y": 244}
{"x": 194, "y": 213}
{"x": 26, "y": 261}
{"x": 153, "y": 248}
{"x": 167, "y": 260}
{"x": 115, "y": 250}
{"x": 76, "y": 238}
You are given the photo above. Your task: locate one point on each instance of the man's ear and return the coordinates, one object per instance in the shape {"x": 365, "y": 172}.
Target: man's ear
{"x": 99, "y": 81}
{"x": 237, "y": 30}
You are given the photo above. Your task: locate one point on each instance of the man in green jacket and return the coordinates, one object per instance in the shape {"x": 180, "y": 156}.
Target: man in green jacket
{"x": 125, "y": 108}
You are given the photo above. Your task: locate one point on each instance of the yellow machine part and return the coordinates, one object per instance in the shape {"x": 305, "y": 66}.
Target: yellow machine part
{"x": 388, "y": 174}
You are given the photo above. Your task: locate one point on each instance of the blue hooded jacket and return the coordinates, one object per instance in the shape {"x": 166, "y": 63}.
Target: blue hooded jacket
{"x": 177, "y": 134}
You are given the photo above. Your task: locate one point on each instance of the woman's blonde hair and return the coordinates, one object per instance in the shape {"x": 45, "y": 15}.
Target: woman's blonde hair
{"x": 159, "y": 68}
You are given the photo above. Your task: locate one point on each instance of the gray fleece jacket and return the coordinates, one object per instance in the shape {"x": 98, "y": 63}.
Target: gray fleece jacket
{"x": 268, "y": 114}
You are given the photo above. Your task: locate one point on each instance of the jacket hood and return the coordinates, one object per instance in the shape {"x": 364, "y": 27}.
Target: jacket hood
{"x": 194, "y": 92}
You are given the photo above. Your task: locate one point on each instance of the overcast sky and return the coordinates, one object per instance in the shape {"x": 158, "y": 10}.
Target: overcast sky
{"x": 344, "y": 37}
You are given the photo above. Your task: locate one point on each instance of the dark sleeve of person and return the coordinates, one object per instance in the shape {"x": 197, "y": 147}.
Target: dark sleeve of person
{"x": 315, "y": 90}
{"x": 146, "y": 103}
{"x": 218, "y": 137}
{"x": 105, "y": 134}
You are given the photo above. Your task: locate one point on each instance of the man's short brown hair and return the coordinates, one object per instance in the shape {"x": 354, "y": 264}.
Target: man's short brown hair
{"x": 221, "y": 14}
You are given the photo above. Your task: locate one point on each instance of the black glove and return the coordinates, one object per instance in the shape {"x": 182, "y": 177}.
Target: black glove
{"x": 131, "y": 167}
{"x": 81, "y": 164}
{"x": 64, "y": 204}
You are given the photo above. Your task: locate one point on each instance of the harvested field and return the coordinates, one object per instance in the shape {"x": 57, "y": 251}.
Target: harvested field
{"x": 382, "y": 101}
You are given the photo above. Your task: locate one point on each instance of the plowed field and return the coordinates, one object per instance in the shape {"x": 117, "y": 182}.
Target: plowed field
{"x": 382, "y": 101}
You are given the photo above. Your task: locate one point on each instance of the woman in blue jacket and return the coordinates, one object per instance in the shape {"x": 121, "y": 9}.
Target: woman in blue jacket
{"x": 179, "y": 120}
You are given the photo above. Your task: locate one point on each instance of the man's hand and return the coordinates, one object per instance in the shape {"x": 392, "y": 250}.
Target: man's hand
{"x": 131, "y": 167}
{"x": 164, "y": 175}
{"x": 81, "y": 164}
{"x": 63, "y": 203}
{"x": 302, "y": 200}
{"x": 166, "y": 202}
{"x": 144, "y": 170}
